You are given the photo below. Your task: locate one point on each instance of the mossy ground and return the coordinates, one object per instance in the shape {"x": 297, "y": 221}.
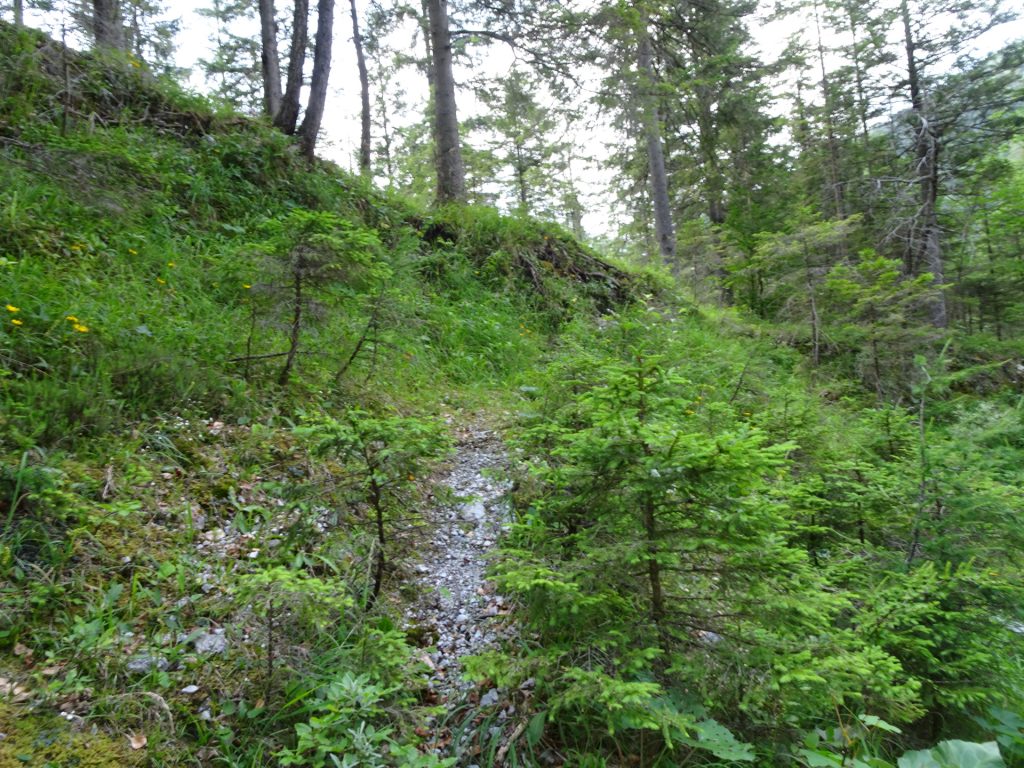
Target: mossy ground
{"x": 46, "y": 741}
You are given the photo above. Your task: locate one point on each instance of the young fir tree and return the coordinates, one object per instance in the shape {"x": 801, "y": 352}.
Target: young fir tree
{"x": 522, "y": 134}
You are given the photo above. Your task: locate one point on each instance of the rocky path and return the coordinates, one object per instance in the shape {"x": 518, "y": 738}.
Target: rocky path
{"x": 457, "y": 613}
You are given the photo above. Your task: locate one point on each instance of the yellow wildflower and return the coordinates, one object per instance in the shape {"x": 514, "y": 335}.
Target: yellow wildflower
{"x": 171, "y": 264}
{"x": 81, "y": 328}
{"x": 12, "y": 308}
{"x": 161, "y": 281}
{"x": 72, "y": 319}
{"x": 133, "y": 252}
{"x": 246, "y": 286}
{"x": 16, "y": 321}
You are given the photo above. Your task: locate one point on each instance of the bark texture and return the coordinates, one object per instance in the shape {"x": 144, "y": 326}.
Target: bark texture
{"x": 106, "y": 21}
{"x": 269, "y": 59}
{"x": 664, "y": 231}
{"x": 310, "y": 127}
{"x": 287, "y": 116}
{"x": 451, "y": 173}
{"x": 364, "y": 93}
{"x": 924, "y": 248}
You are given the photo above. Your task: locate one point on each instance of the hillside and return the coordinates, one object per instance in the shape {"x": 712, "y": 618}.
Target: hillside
{"x": 232, "y": 383}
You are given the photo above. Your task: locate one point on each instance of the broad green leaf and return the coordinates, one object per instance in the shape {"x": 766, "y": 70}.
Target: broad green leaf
{"x": 820, "y": 759}
{"x": 535, "y": 729}
{"x": 966, "y": 754}
{"x": 718, "y": 740}
{"x": 955, "y": 754}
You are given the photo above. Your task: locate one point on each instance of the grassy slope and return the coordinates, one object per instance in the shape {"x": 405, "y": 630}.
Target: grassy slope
{"x": 143, "y": 253}
{"x": 143, "y": 460}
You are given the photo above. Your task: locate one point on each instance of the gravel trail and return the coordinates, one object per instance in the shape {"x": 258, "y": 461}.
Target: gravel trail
{"x": 457, "y": 613}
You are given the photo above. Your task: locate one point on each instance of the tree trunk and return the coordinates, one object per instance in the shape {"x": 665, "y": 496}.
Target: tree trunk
{"x": 656, "y": 156}
{"x": 520, "y": 174}
{"x": 364, "y": 92}
{"x": 707, "y": 140}
{"x": 451, "y": 173}
{"x": 19, "y": 13}
{"x": 925, "y": 247}
{"x": 269, "y": 61}
{"x": 835, "y": 179}
{"x": 858, "y": 71}
{"x": 812, "y": 300}
{"x": 135, "y": 45}
{"x": 106, "y": 20}
{"x": 321, "y": 73}
{"x": 296, "y": 329}
{"x": 428, "y": 66}
{"x": 377, "y": 502}
{"x": 287, "y": 116}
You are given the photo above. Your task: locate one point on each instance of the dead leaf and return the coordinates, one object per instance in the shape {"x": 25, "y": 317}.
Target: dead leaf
{"x": 10, "y": 689}
{"x": 137, "y": 740}
{"x": 22, "y": 650}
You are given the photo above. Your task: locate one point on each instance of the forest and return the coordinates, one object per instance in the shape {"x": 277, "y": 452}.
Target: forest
{"x": 500, "y": 383}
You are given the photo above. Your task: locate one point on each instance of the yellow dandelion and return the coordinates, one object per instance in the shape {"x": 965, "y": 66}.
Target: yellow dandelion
{"x": 81, "y": 328}
{"x": 16, "y": 321}
{"x": 72, "y": 319}
{"x": 161, "y": 281}
{"x": 12, "y": 308}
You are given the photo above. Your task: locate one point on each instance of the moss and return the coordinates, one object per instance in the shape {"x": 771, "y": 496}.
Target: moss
{"x": 42, "y": 739}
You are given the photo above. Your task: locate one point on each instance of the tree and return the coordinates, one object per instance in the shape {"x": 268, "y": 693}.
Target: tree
{"x": 269, "y": 61}
{"x": 923, "y": 246}
{"x": 519, "y": 131}
{"x": 386, "y": 454}
{"x": 107, "y": 24}
{"x": 235, "y": 66}
{"x": 149, "y": 36}
{"x": 365, "y": 141}
{"x": 310, "y": 128}
{"x": 451, "y": 172}
{"x": 287, "y": 115}
{"x": 309, "y": 253}
{"x": 664, "y": 230}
